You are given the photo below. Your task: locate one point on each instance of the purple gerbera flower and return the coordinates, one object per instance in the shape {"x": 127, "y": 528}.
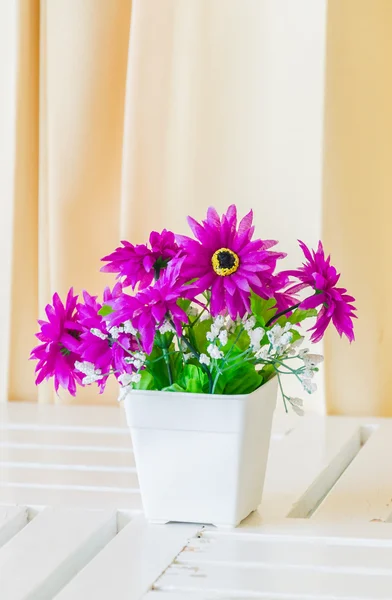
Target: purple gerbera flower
{"x": 140, "y": 264}
{"x": 60, "y": 346}
{"x": 226, "y": 260}
{"x": 99, "y": 346}
{"x": 318, "y": 273}
{"x": 149, "y": 309}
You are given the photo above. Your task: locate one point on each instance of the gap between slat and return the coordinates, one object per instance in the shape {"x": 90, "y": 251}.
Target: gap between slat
{"x": 66, "y": 467}
{"x": 62, "y": 447}
{"x": 310, "y": 501}
{"x": 79, "y": 488}
{"x": 64, "y": 428}
{"x": 12, "y": 520}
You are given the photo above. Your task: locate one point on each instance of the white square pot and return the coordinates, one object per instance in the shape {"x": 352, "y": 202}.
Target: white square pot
{"x": 201, "y": 458}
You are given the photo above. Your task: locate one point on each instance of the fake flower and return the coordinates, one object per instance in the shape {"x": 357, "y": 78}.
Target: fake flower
{"x": 209, "y": 315}
{"x": 336, "y": 305}
{"x": 60, "y": 347}
{"x": 139, "y": 264}
{"x": 149, "y": 309}
{"x": 226, "y": 260}
{"x": 101, "y": 346}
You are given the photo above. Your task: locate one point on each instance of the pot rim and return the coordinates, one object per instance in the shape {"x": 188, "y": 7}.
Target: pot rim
{"x": 193, "y": 396}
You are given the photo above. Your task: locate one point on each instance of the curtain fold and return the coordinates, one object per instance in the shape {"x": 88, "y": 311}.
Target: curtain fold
{"x": 141, "y": 114}
{"x": 19, "y": 76}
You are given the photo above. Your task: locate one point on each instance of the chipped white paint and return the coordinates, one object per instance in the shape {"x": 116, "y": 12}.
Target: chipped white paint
{"x": 334, "y": 471}
{"x": 283, "y": 562}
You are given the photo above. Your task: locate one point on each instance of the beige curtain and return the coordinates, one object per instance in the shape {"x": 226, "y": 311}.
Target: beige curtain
{"x": 122, "y": 118}
{"x": 358, "y": 197}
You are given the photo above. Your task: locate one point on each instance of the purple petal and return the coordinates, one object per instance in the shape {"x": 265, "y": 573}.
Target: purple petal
{"x": 246, "y": 223}
{"x": 217, "y": 297}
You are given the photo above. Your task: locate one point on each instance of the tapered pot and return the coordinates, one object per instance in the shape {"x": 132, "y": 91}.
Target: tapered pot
{"x": 201, "y": 458}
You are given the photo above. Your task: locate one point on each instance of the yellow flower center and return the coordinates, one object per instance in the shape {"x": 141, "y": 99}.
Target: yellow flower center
{"x": 225, "y": 262}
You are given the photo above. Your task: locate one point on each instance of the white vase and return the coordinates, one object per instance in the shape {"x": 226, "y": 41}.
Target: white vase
{"x": 201, "y": 458}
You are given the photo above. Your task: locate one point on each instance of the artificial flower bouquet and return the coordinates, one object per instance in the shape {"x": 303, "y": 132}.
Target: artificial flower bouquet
{"x": 203, "y": 315}
{"x": 199, "y": 333}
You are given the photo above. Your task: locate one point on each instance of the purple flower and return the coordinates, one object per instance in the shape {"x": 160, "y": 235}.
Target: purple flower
{"x": 226, "y": 260}
{"x": 318, "y": 273}
{"x": 98, "y": 346}
{"x": 274, "y": 287}
{"x": 60, "y": 346}
{"x": 148, "y": 310}
{"x": 139, "y": 264}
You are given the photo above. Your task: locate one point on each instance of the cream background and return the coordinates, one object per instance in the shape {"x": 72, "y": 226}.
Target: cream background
{"x": 357, "y": 197}
{"x": 116, "y": 119}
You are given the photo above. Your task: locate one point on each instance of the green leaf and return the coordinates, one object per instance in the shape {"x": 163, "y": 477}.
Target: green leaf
{"x": 146, "y": 382}
{"x": 176, "y": 365}
{"x": 105, "y": 310}
{"x": 184, "y": 303}
{"x": 163, "y": 340}
{"x": 300, "y": 315}
{"x": 157, "y": 367}
{"x": 263, "y": 310}
{"x": 174, "y": 387}
{"x": 240, "y": 342}
{"x": 242, "y": 379}
{"x": 267, "y": 372}
{"x": 193, "y": 386}
{"x": 198, "y": 335}
{"x": 194, "y": 379}
{"x": 296, "y": 336}
{"x": 190, "y": 372}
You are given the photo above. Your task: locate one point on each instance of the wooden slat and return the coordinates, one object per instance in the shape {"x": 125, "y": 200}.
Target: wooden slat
{"x": 368, "y": 534}
{"x": 365, "y": 489}
{"x": 280, "y": 582}
{"x": 74, "y": 475}
{"x": 71, "y": 496}
{"x": 241, "y": 565}
{"x": 128, "y": 566}
{"x": 44, "y": 414}
{"x": 296, "y": 559}
{"x": 304, "y": 465}
{"x": 45, "y": 555}
{"x": 336, "y": 553}
{"x": 25, "y": 453}
{"x": 166, "y": 595}
{"x": 12, "y": 520}
{"x": 84, "y": 438}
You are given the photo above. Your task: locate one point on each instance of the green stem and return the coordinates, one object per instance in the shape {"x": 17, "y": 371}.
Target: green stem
{"x": 167, "y": 361}
{"x": 198, "y": 316}
{"x": 282, "y": 392}
{"x": 295, "y": 372}
{"x": 215, "y": 382}
{"x": 241, "y": 331}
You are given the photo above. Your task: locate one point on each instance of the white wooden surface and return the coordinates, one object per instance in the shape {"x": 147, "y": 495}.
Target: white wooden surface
{"x": 71, "y": 523}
